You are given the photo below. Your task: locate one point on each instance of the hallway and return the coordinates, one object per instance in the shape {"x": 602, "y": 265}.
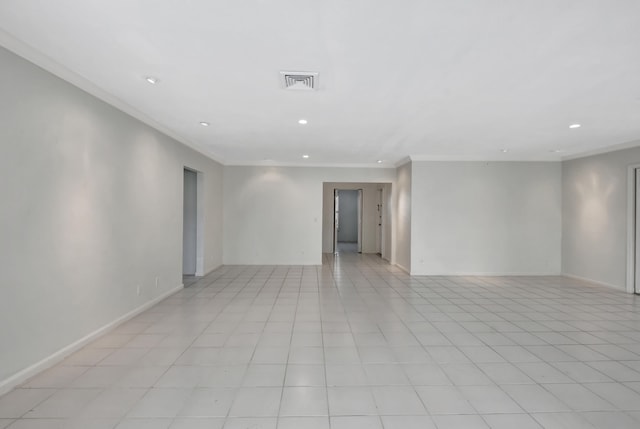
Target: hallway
{"x": 347, "y": 247}
{"x": 353, "y": 344}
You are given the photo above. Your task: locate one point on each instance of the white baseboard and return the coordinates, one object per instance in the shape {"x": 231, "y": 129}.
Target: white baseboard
{"x": 20, "y": 377}
{"x": 211, "y": 270}
{"x": 403, "y": 268}
{"x": 208, "y": 272}
{"x": 487, "y": 274}
{"x": 599, "y": 283}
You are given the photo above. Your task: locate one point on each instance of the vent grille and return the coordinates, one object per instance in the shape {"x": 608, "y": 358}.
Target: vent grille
{"x": 300, "y": 81}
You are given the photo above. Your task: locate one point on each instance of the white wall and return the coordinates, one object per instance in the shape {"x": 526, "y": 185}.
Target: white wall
{"x": 369, "y": 215}
{"x": 403, "y": 205}
{"x": 485, "y": 218}
{"x": 273, "y": 215}
{"x": 594, "y": 239}
{"x": 91, "y": 208}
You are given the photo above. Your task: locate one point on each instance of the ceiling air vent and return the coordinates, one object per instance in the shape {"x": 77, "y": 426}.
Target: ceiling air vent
{"x": 300, "y": 81}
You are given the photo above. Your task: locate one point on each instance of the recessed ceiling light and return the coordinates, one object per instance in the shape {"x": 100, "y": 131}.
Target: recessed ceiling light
{"x": 556, "y": 151}
{"x": 504, "y": 150}
{"x": 302, "y": 122}
{"x": 572, "y": 126}
{"x": 379, "y": 161}
{"x": 152, "y": 80}
{"x": 204, "y": 124}
{"x": 305, "y": 156}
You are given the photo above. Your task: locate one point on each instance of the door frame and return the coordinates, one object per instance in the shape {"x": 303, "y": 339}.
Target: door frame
{"x": 360, "y": 216}
{"x": 199, "y": 219}
{"x": 633, "y": 173}
{"x": 379, "y": 221}
{"x": 336, "y": 204}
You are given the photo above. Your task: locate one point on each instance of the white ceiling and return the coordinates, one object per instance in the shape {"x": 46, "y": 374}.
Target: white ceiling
{"x": 430, "y": 79}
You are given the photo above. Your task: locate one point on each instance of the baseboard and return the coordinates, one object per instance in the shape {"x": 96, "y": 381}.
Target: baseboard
{"x": 20, "y": 377}
{"x": 208, "y": 272}
{"x": 488, "y": 274}
{"x": 211, "y": 270}
{"x": 596, "y": 282}
{"x": 403, "y": 269}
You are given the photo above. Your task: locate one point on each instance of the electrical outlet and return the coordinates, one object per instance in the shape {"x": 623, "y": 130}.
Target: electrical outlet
{"x": 138, "y": 290}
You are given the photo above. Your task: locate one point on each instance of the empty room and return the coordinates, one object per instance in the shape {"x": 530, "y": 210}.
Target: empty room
{"x": 319, "y": 215}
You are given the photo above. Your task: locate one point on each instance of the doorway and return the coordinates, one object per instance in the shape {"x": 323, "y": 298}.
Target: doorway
{"x": 373, "y": 238}
{"x": 379, "y": 206}
{"x": 347, "y": 221}
{"x": 633, "y": 228}
{"x": 636, "y": 285}
{"x": 192, "y": 245}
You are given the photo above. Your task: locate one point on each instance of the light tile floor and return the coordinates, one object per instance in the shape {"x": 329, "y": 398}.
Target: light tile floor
{"x": 352, "y": 344}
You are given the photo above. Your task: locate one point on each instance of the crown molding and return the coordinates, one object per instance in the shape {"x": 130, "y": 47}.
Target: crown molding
{"x": 47, "y": 63}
